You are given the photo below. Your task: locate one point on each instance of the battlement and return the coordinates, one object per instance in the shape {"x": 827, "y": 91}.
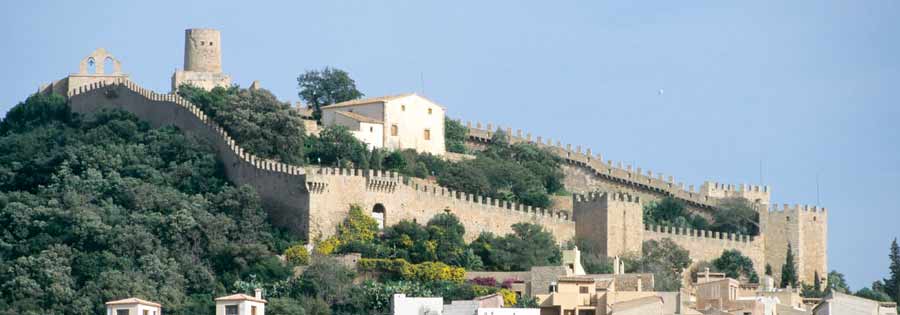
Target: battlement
{"x": 759, "y": 193}
{"x": 627, "y": 174}
{"x": 389, "y": 182}
{"x": 701, "y": 234}
{"x": 257, "y": 162}
{"x": 605, "y": 196}
{"x": 796, "y": 208}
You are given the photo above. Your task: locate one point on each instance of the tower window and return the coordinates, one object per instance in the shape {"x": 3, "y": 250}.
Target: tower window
{"x": 427, "y": 134}
{"x": 210, "y": 43}
{"x": 394, "y": 130}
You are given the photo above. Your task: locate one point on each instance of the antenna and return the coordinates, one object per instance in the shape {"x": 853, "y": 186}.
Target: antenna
{"x": 817, "y": 189}
{"x": 422, "y": 81}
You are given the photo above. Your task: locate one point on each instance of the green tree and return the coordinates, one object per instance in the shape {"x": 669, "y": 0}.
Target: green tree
{"x": 735, "y": 265}
{"x": 325, "y": 279}
{"x": 284, "y": 306}
{"x": 892, "y": 284}
{"x": 336, "y": 146}
{"x": 837, "y": 282}
{"x": 319, "y": 88}
{"x": 736, "y": 215}
{"x": 255, "y": 119}
{"x": 357, "y": 227}
{"x": 455, "y": 136}
{"x": 446, "y": 232}
{"x": 664, "y": 259}
{"x": 529, "y": 245}
{"x": 768, "y": 270}
{"x": 876, "y": 292}
{"x": 789, "y": 275}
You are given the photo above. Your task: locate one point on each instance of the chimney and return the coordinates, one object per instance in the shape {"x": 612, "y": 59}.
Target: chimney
{"x": 258, "y": 294}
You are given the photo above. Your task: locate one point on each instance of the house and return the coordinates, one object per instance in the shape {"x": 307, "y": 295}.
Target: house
{"x": 133, "y": 306}
{"x": 399, "y": 122}
{"x": 642, "y": 306}
{"x": 241, "y": 304}
{"x": 402, "y": 305}
{"x": 836, "y": 303}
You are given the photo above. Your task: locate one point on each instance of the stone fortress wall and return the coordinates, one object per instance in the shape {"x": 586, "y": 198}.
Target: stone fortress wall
{"x": 805, "y": 228}
{"x": 313, "y": 201}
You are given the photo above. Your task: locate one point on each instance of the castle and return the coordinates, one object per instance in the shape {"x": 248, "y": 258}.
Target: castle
{"x": 606, "y": 207}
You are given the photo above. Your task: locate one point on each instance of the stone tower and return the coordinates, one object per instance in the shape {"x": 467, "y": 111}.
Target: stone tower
{"x": 202, "y": 60}
{"x": 806, "y": 229}
{"x": 202, "y": 50}
{"x": 612, "y": 223}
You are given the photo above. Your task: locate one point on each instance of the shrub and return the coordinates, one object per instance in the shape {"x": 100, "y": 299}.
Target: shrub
{"x": 297, "y": 254}
{"x": 399, "y": 269}
{"x": 509, "y": 297}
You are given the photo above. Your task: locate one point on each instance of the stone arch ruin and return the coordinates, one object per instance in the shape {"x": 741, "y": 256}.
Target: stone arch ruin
{"x": 100, "y": 58}
{"x": 378, "y": 213}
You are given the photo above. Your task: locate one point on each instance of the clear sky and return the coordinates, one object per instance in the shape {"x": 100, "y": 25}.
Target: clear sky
{"x": 786, "y": 91}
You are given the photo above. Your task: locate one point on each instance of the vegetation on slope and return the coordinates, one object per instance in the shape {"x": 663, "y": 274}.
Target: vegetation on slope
{"x": 733, "y": 215}
{"x": 97, "y": 209}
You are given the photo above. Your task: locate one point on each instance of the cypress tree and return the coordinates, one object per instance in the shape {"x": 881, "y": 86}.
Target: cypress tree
{"x": 789, "y": 269}
{"x": 892, "y": 284}
{"x": 768, "y": 270}
{"x": 816, "y": 285}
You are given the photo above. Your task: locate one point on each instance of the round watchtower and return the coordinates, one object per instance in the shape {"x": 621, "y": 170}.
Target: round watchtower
{"x": 202, "y": 50}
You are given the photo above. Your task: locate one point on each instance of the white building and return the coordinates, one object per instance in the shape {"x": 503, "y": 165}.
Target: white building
{"x": 509, "y": 311}
{"x": 133, "y": 306}
{"x": 844, "y": 304}
{"x": 403, "y": 305}
{"x": 241, "y": 304}
{"x": 406, "y": 121}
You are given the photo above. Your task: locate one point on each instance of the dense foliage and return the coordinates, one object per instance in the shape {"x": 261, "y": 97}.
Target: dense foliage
{"x": 98, "y": 209}
{"x": 664, "y": 259}
{"x": 732, "y": 215}
{"x": 255, "y": 119}
{"x": 736, "y": 266}
{"x": 455, "y": 136}
{"x": 326, "y": 87}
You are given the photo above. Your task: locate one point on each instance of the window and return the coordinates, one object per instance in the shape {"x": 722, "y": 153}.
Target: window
{"x": 427, "y": 134}
{"x": 788, "y": 219}
{"x": 210, "y": 43}
{"x": 371, "y": 129}
{"x": 403, "y": 108}
{"x": 146, "y": 312}
{"x": 202, "y": 43}
{"x": 394, "y": 130}
{"x": 253, "y": 310}
{"x": 429, "y": 111}
{"x": 231, "y": 310}
{"x": 582, "y": 289}
{"x": 123, "y": 312}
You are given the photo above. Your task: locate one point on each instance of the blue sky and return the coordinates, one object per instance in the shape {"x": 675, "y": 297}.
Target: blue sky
{"x": 808, "y": 88}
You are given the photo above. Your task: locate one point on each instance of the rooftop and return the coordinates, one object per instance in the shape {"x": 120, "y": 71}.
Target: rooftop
{"x": 240, "y": 297}
{"x": 380, "y": 99}
{"x": 359, "y": 117}
{"x": 133, "y": 301}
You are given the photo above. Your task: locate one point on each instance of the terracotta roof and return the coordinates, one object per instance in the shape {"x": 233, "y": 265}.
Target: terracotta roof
{"x": 380, "y": 99}
{"x": 240, "y": 297}
{"x": 576, "y": 279}
{"x": 359, "y": 117}
{"x": 133, "y": 301}
{"x": 618, "y": 307}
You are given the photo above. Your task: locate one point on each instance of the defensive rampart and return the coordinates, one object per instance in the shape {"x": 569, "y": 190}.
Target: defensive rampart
{"x": 590, "y": 171}
{"x": 333, "y": 190}
{"x": 312, "y": 202}
{"x": 281, "y": 187}
{"x": 709, "y": 245}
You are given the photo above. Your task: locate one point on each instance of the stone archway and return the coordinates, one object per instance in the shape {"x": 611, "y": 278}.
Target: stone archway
{"x": 379, "y": 214}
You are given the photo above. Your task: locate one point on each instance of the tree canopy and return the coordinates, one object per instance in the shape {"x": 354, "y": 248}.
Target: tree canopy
{"x": 736, "y": 266}
{"x": 665, "y": 259}
{"x": 328, "y": 86}
{"x": 104, "y": 207}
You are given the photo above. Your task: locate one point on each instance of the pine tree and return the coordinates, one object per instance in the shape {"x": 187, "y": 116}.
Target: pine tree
{"x": 789, "y": 270}
{"x": 892, "y": 284}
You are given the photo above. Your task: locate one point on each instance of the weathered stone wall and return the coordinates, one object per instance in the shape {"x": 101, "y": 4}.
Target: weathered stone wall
{"x": 806, "y": 229}
{"x": 708, "y": 245}
{"x": 281, "y": 187}
{"x": 333, "y": 190}
{"x": 611, "y": 222}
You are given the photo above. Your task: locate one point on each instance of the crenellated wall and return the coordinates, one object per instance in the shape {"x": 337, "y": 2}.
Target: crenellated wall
{"x": 333, "y": 190}
{"x": 281, "y": 187}
{"x": 313, "y": 201}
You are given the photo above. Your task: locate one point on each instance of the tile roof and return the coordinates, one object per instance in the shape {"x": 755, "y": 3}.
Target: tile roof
{"x": 133, "y": 301}
{"x": 618, "y": 307}
{"x": 371, "y": 100}
{"x": 359, "y": 117}
{"x": 240, "y": 297}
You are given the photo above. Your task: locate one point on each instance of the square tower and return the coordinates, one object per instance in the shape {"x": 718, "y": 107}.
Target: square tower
{"x": 613, "y": 223}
